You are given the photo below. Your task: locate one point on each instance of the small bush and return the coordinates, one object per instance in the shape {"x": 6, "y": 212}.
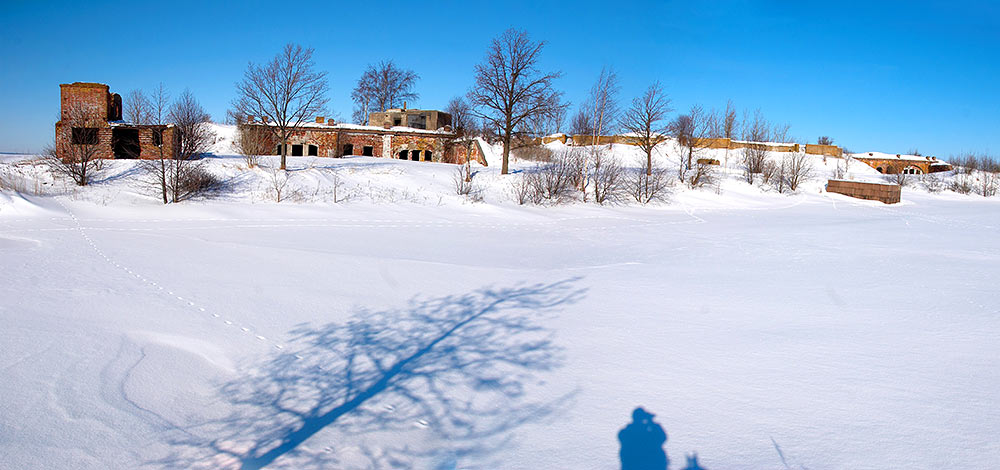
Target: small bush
{"x": 648, "y": 188}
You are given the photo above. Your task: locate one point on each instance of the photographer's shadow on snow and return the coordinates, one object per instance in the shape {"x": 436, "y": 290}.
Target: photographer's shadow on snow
{"x": 439, "y": 380}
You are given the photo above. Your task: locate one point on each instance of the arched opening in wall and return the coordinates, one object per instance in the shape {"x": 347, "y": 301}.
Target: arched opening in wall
{"x": 404, "y": 154}
{"x": 296, "y": 150}
{"x": 880, "y": 170}
{"x": 912, "y": 170}
{"x": 348, "y": 149}
{"x": 277, "y": 149}
{"x": 313, "y": 151}
{"x": 415, "y": 155}
{"x": 368, "y": 151}
{"x": 428, "y": 156}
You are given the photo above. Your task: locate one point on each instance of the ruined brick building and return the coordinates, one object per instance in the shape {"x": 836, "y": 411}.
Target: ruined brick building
{"x": 90, "y": 115}
{"x": 425, "y": 136}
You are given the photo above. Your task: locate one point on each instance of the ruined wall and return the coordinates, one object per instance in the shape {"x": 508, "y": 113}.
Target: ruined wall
{"x": 170, "y": 143}
{"x": 828, "y": 150}
{"x": 892, "y": 166}
{"x": 887, "y": 193}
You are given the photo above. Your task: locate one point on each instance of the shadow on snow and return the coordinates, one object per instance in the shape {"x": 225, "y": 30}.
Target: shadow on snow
{"x": 448, "y": 373}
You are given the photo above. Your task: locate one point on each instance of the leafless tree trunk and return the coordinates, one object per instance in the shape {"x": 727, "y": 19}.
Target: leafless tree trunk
{"x": 180, "y": 175}
{"x": 78, "y": 154}
{"x": 381, "y": 87}
{"x": 608, "y": 177}
{"x": 797, "y": 169}
{"x": 509, "y": 88}
{"x": 757, "y": 130}
{"x": 690, "y": 130}
{"x": 644, "y": 120}
{"x": 730, "y": 127}
{"x": 284, "y": 93}
{"x": 251, "y": 141}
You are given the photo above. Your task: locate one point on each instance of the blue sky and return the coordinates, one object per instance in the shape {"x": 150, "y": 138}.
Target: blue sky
{"x": 883, "y": 76}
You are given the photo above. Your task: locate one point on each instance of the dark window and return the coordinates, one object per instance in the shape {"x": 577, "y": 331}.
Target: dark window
{"x": 348, "y": 149}
{"x": 415, "y": 155}
{"x": 427, "y": 155}
{"x": 277, "y": 149}
{"x": 403, "y": 154}
{"x": 368, "y": 151}
{"x": 125, "y": 143}
{"x": 397, "y": 121}
{"x": 157, "y": 137}
{"x": 85, "y": 135}
{"x": 296, "y": 150}
{"x": 313, "y": 151}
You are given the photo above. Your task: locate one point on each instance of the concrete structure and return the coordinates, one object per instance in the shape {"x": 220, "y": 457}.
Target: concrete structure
{"x": 908, "y": 164}
{"x": 329, "y": 139}
{"x": 884, "y": 192}
{"x": 427, "y": 119}
{"x": 91, "y": 115}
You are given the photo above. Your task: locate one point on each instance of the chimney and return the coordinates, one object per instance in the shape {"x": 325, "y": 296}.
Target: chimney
{"x": 404, "y": 106}
{"x": 320, "y": 119}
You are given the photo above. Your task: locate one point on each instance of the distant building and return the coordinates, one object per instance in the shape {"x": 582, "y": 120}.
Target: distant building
{"x": 324, "y": 138}
{"x": 413, "y": 118}
{"x": 907, "y": 164}
{"x": 91, "y": 115}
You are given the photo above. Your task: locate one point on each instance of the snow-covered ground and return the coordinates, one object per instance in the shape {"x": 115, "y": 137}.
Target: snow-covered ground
{"x": 849, "y": 333}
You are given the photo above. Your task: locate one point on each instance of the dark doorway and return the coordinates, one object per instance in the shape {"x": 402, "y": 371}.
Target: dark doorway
{"x": 428, "y": 155}
{"x": 348, "y": 149}
{"x": 367, "y": 151}
{"x": 297, "y": 150}
{"x": 125, "y": 143}
{"x": 313, "y": 151}
{"x": 415, "y": 155}
{"x": 404, "y": 154}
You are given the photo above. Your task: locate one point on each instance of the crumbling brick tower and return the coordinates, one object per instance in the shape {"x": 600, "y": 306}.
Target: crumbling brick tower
{"x": 90, "y": 115}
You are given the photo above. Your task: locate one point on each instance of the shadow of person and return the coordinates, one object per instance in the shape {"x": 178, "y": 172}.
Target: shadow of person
{"x": 642, "y": 443}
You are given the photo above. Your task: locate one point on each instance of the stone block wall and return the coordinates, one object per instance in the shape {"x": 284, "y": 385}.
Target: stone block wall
{"x": 887, "y": 193}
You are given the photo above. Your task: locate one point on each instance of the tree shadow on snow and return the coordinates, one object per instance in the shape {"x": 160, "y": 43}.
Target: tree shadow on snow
{"x": 442, "y": 379}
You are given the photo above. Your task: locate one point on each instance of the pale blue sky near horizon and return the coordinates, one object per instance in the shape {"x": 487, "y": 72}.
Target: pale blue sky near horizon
{"x": 875, "y": 76}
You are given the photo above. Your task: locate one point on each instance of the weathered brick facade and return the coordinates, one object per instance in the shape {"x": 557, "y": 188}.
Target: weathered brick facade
{"x": 907, "y": 164}
{"x": 887, "y": 193}
{"x": 339, "y": 140}
{"x": 92, "y": 106}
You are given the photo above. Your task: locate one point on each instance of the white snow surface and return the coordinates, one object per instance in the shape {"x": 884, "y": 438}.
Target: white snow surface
{"x": 849, "y": 333}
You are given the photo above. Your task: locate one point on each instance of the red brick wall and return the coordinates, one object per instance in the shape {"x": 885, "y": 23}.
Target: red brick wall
{"x": 887, "y": 193}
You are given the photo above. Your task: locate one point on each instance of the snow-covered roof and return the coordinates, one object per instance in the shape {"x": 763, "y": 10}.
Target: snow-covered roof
{"x": 892, "y": 156}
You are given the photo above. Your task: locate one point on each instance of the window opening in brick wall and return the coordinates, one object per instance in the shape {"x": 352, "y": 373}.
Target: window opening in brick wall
{"x": 85, "y": 135}
{"x": 415, "y": 155}
{"x": 313, "y": 151}
{"x": 348, "y": 149}
{"x": 296, "y": 150}
{"x": 368, "y": 151}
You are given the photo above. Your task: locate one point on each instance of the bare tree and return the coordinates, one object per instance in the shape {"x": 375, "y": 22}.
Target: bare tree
{"x": 466, "y": 130}
{"x": 603, "y": 104}
{"x": 645, "y": 120}
{"x": 646, "y": 188}
{"x": 796, "y": 169}
{"x": 756, "y": 132}
{"x": 581, "y": 123}
{"x": 78, "y": 153}
{"x": 137, "y": 107}
{"x": 824, "y": 140}
{"x": 252, "y": 141}
{"x": 691, "y": 130}
{"x": 608, "y": 177}
{"x": 180, "y": 175}
{"x": 730, "y": 126}
{"x": 509, "y": 87}
{"x": 284, "y": 93}
{"x": 381, "y": 87}
{"x": 158, "y": 111}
